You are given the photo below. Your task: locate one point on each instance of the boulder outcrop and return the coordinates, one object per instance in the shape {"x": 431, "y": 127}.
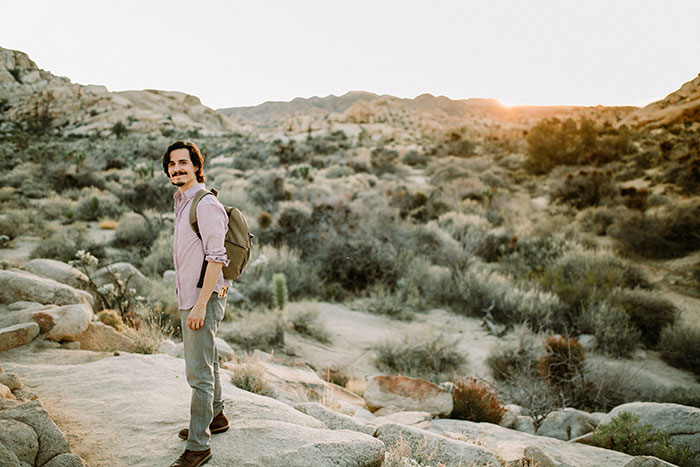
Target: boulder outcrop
{"x": 64, "y": 323}
{"x": 511, "y": 445}
{"x": 58, "y": 271}
{"x": 16, "y": 285}
{"x": 407, "y": 394}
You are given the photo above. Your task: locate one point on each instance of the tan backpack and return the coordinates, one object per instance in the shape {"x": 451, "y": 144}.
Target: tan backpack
{"x": 238, "y": 241}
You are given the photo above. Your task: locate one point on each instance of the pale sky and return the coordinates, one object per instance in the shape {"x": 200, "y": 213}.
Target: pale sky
{"x": 236, "y": 53}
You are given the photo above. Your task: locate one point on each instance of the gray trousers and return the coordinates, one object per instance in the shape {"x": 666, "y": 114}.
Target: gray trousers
{"x": 202, "y": 368}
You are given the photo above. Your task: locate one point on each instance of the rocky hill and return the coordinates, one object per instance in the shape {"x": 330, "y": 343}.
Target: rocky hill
{"x": 418, "y": 117}
{"x": 679, "y": 107}
{"x": 38, "y": 100}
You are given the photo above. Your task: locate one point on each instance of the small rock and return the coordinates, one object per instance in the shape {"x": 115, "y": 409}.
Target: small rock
{"x": 6, "y": 393}
{"x": 524, "y": 424}
{"x": 168, "y": 347}
{"x": 12, "y": 381}
{"x": 538, "y": 455}
{"x": 25, "y": 395}
{"x": 22, "y": 305}
{"x": 19, "y": 334}
{"x": 565, "y": 424}
{"x": 75, "y": 345}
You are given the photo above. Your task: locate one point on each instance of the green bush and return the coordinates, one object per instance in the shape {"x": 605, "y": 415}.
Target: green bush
{"x": 668, "y": 232}
{"x": 427, "y": 355}
{"x": 610, "y": 325}
{"x": 680, "y": 346}
{"x": 415, "y": 158}
{"x": 586, "y": 189}
{"x": 553, "y": 142}
{"x": 63, "y": 243}
{"x": 625, "y": 434}
{"x": 305, "y": 320}
{"x": 647, "y": 311}
{"x": 258, "y": 330}
{"x": 476, "y": 401}
{"x": 134, "y": 231}
{"x": 94, "y": 205}
{"x": 580, "y": 278}
{"x": 392, "y": 304}
{"x": 160, "y": 257}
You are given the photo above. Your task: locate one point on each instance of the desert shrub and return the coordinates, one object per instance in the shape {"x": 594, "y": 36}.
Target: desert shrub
{"x": 15, "y": 223}
{"x": 680, "y": 346}
{"x": 258, "y": 330}
{"x": 149, "y": 334}
{"x": 562, "y": 365}
{"x": 533, "y": 253}
{"x": 479, "y": 291}
{"x": 94, "y": 205}
{"x": 306, "y": 321}
{"x": 301, "y": 277}
{"x": 586, "y": 189}
{"x": 581, "y": 277}
{"x": 668, "y": 232}
{"x": 553, "y": 142}
{"x": 394, "y": 304}
{"x": 57, "y": 208}
{"x": 516, "y": 357}
{"x": 160, "y": 256}
{"x": 383, "y": 160}
{"x": 610, "y": 325}
{"x": 532, "y": 393}
{"x": 647, "y": 311}
{"x": 338, "y": 171}
{"x": 429, "y": 355}
{"x": 63, "y": 243}
{"x": 267, "y": 190}
{"x": 467, "y": 229}
{"x": 111, "y": 318}
{"x": 250, "y": 376}
{"x": 163, "y": 300}
{"x": 415, "y": 158}
{"x": 63, "y": 177}
{"x": 598, "y": 220}
{"x": 476, "y": 401}
{"x": 134, "y": 231}
{"x": 495, "y": 244}
{"x": 356, "y": 261}
{"x": 625, "y": 434}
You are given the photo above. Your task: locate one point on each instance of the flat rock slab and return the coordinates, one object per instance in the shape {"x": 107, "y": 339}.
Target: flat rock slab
{"x": 510, "y": 445}
{"x": 17, "y": 335}
{"x": 126, "y": 411}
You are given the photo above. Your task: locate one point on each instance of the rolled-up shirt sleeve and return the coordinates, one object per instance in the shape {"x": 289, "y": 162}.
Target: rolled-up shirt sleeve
{"x": 213, "y": 224}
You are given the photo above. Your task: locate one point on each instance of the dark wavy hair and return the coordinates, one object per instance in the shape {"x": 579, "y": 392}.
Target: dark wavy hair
{"x": 195, "y": 157}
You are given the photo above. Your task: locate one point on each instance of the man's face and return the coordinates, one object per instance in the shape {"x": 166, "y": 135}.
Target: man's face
{"x": 181, "y": 170}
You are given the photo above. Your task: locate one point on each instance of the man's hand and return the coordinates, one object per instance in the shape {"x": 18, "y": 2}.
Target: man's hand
{"x": 195, "y": 319}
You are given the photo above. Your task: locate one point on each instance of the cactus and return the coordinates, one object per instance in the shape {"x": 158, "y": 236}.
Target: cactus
{"x": 279, "y": 288}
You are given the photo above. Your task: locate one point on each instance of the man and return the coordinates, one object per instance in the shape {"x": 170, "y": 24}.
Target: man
{"x": 201, "y": 296}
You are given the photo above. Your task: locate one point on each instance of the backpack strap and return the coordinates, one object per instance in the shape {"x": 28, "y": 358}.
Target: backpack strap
{"x": 193, "y": 223}
{"x": 193, "y": 208}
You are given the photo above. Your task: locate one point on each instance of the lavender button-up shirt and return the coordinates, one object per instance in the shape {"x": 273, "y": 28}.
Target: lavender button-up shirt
{"x": 189, "y": 252}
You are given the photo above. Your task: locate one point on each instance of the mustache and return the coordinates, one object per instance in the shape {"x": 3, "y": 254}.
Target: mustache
{"x": 178, "y": 173}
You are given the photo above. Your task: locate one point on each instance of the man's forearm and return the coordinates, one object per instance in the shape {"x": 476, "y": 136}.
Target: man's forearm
{"x": 211, "y": 276}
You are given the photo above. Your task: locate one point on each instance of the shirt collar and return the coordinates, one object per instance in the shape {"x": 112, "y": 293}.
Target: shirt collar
{"x": 189, "y": 194}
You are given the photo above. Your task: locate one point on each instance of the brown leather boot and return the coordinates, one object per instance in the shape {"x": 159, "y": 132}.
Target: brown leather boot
{"x": 219, "y": 424}
{"x": 192, "y": 458}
